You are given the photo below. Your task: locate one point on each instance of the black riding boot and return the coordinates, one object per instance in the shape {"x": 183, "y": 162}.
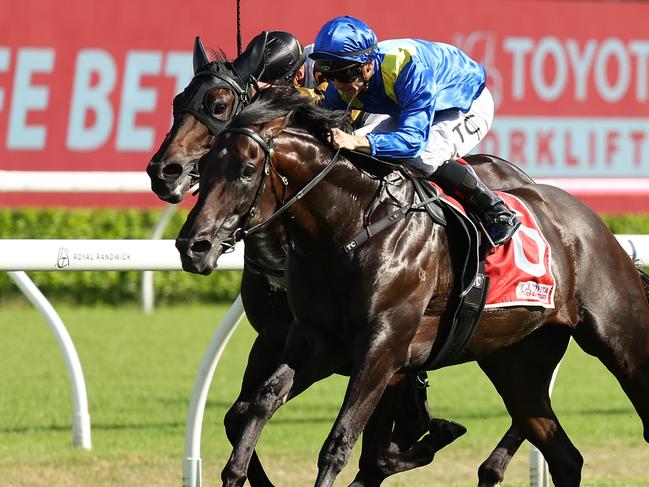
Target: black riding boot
{"x": 457, "y": 180}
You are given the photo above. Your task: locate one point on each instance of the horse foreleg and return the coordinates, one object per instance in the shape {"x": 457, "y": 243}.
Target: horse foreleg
{"x": 492, "y": 471}
{"x": 360, "y": 400}
{"x": 422, "y": 452}
{"x": 270, "y": 396}
{"x": 387, "y": 451}
{"x": 521, "y": 374}
{"x": 378, "y": 353}
{"x": 413, "y": 418}
{"x": 376, "y": 442}
{"x": 261, "y": 364}
{"x": 303, "y": 362}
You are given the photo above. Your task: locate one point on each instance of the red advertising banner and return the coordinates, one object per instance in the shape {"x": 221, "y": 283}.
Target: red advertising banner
{"x": 87, "y": 86}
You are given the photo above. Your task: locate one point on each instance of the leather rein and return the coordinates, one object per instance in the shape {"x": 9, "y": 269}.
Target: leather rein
{"x": 241, "y": 231}
{"x": 426, "y": 202}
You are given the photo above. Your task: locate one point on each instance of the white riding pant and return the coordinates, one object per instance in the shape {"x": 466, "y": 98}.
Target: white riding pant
{"x": 453, "y": 133}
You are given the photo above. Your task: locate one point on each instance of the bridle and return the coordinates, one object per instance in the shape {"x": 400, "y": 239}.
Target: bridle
{"x": 243, "y": 230}
{"x": 212, "y": 76}
{"x": 192, "y": 99}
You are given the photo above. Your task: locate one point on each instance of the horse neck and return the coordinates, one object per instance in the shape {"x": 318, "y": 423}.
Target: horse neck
{"x": 333, "y": 210}
{"x": 267, "y": 249}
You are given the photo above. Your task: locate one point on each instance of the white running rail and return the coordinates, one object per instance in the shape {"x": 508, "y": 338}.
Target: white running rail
{"x": 74, "y": 182}
{"x": 80, "y": 417}
{"x": 17, "y": 256}
{"x": 12, "y": 181}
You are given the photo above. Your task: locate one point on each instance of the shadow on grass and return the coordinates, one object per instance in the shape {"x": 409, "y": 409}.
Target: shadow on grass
{"x": 96, "y": 426}
{"x": 504, "y": 414}
{"x": 300, "y": 420}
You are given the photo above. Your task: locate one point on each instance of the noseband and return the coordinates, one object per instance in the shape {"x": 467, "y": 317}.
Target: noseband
{"x": 242, "y": 231}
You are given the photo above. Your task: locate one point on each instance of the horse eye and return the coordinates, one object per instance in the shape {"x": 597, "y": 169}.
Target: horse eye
{"x": 248, "y": 171}
{"x": 219, "y": 108}
{"x": 215, "y": 106}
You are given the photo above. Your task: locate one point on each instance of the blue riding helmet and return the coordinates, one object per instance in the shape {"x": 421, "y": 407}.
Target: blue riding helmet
{"x": 345, "y": 39}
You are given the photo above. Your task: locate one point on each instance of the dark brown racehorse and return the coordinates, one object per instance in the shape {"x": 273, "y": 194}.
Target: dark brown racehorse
{"x": 218, "y": 90}
{"x": 376, "y": 309}
{"x": 222, "y": 92}
{"x": 173, "y": 170}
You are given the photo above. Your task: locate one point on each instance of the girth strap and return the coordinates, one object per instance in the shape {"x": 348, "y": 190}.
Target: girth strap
{"x": 371, "y": 230}
{"x": 459, "y": 323}
{"x": 428, "y": 197}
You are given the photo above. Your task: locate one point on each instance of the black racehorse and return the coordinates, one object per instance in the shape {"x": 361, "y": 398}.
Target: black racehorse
{"x": 376, "y": 309}
{"x": 219, "y": 90}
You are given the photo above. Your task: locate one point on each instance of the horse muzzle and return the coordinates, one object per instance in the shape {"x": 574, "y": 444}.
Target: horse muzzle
{"x": 171, "y": 180}
{"x": 199, "y": 255}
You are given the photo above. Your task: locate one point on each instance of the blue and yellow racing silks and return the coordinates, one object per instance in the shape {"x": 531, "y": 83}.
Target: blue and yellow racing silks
{"x": 412, "y": 80}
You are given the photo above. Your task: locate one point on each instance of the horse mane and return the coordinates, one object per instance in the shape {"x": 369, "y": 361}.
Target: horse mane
{"x": 285, "y": 101}
{"x": 219, "y": 63}
{"x": 219, "y": 55}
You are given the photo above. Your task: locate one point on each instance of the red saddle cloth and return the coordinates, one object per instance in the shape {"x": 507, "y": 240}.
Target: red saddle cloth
{"x": 520, "y": 271}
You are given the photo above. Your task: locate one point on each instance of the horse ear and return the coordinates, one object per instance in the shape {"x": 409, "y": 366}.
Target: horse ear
{"x": 274, "y": 127}
{"x": 200, "y": 56}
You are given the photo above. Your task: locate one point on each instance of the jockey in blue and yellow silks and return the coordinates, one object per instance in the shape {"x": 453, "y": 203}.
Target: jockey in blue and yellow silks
{"x": 436, "y": 104}
{"x": 281, "y": 59}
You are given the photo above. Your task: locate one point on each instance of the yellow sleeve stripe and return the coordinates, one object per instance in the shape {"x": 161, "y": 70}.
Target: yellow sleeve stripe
{"x": 356, "y": 103}
{"x": 391, "y": 66}
{"x": 314, "y": 95}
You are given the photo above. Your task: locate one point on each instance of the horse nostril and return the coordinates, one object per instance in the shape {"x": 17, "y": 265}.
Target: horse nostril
{"x": 182, "y": 244}
{"x": 201, "y": 246}
{"x": 174, "y": 170}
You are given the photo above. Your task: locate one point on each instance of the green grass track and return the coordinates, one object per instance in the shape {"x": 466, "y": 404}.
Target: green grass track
{"x": 140, "y": 370}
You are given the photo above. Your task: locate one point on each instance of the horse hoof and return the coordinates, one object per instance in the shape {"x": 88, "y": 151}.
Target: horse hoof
{"x": 445, "y": 430}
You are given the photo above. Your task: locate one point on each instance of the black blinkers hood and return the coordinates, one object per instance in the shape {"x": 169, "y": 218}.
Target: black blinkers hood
{"x": 208, "y": 77}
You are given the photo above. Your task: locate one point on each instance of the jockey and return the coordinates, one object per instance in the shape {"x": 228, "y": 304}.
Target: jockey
{"x": 278, "y": 55}
{"x": 284, "y": 61}
{"x": 438, "y": 105}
